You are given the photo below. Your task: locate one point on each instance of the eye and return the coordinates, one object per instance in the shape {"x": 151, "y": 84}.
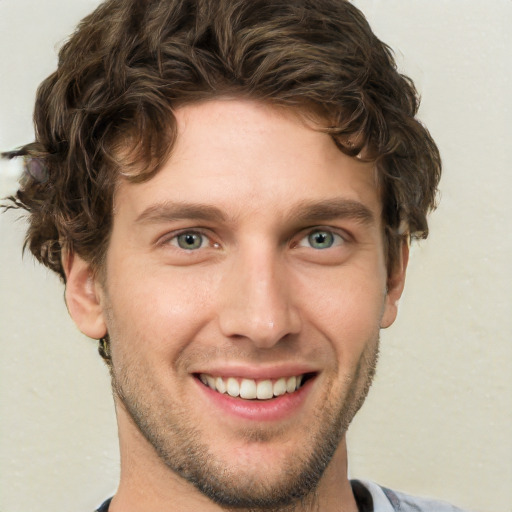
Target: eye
{"x": 190, "y": 240}
{"x": 321, "y": 239}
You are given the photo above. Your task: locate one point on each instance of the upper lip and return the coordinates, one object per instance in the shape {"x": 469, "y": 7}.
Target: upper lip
{"x": 256, "y": 372}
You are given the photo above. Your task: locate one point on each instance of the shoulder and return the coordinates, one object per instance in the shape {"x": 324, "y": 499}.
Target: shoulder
{"x": 388, "y": 500}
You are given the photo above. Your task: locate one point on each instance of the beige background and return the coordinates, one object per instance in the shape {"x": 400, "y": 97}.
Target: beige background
{"x": 439, "y": 419}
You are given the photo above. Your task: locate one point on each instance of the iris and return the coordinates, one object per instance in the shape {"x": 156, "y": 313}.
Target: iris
{"x": 321, "y": 239}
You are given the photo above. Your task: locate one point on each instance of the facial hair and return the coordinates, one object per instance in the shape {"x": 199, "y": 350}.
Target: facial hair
{"x": 180, "y": 446}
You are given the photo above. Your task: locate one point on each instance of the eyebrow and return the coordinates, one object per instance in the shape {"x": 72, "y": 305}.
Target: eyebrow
{"x": 336, "y": 208}
{"x": 303, "y": 212}
{"x": 172, "y": 211}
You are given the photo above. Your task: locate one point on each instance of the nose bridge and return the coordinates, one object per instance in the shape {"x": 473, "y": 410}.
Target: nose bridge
{"x": 257, "y": 302}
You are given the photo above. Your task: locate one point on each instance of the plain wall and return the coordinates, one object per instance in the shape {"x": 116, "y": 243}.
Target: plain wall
{"x": 438, "y": 421}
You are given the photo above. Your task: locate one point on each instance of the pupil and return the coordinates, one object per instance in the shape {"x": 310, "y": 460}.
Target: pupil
{"x": 321, "y": 240}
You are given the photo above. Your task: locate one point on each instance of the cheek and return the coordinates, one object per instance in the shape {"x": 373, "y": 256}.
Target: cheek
{"x": 345, "y": 306}
{"x": 154, "y": 309}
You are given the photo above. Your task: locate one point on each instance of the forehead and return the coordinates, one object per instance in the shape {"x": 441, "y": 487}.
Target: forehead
{"x": 246, "y": 157}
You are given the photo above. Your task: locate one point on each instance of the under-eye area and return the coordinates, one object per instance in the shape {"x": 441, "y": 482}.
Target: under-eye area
{"x": 255, "y": 389}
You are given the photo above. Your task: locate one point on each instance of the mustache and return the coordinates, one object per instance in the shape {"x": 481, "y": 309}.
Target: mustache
{"x": 288, "y": 352}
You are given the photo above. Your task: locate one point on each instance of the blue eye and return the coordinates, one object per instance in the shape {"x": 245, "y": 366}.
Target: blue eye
{"x": 189, "y": 241}
{"x": 321, "y": 239}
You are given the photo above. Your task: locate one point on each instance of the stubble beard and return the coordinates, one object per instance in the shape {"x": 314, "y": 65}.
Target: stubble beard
{"x": 179, "y": 444}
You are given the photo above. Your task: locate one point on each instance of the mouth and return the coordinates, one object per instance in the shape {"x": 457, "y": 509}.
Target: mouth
{"x": 255, "y": 389}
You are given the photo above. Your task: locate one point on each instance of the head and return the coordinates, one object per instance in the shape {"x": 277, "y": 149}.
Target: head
{"x": 146, "y": 96}
{"x": 107, "y": 113}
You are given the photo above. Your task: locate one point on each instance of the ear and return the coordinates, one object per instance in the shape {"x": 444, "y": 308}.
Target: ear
{"x": 395, "y": 287}
{"x": 83, "y": 294}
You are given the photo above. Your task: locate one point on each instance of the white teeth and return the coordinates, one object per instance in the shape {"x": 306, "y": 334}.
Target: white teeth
{"x": 264, "y": 390}
{"x": 291, "y": 384}
{"x": 211, "y": 381}
{"x": 220, "y": 385}
{"x": 280, "y": 387}
{"x": 232, "y": 387}
{"x": 249, "y": 389}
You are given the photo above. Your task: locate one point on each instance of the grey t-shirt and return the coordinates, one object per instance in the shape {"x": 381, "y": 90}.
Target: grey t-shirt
{"x": 371, "y": 497}
{"x": 387, "y": 500}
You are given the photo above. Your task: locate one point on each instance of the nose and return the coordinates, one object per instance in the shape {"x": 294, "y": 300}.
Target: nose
{"x": 256, "y": 300}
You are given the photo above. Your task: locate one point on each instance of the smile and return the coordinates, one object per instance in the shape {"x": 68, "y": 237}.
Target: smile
{"x": 250, "y": 389}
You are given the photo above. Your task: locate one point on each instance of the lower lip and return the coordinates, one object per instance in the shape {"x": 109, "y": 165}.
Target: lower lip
{"x": 275, "y": 409}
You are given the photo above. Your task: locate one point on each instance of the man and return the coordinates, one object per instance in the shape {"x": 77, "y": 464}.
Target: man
{"x": 228, "y": 189}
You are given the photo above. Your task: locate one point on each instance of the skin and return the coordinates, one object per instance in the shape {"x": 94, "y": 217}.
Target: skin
{"x": 256, "y": 299}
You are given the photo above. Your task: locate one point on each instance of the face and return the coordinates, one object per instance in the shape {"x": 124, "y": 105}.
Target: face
{"x": 245, "y": 288}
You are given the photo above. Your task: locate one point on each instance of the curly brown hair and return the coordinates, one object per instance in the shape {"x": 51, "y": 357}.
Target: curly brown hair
{"x": 106, "y": 113}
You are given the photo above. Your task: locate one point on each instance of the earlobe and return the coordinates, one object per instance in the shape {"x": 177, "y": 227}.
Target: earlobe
{"x": 395, "y": 287}
{"x": 83, "y": 297}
